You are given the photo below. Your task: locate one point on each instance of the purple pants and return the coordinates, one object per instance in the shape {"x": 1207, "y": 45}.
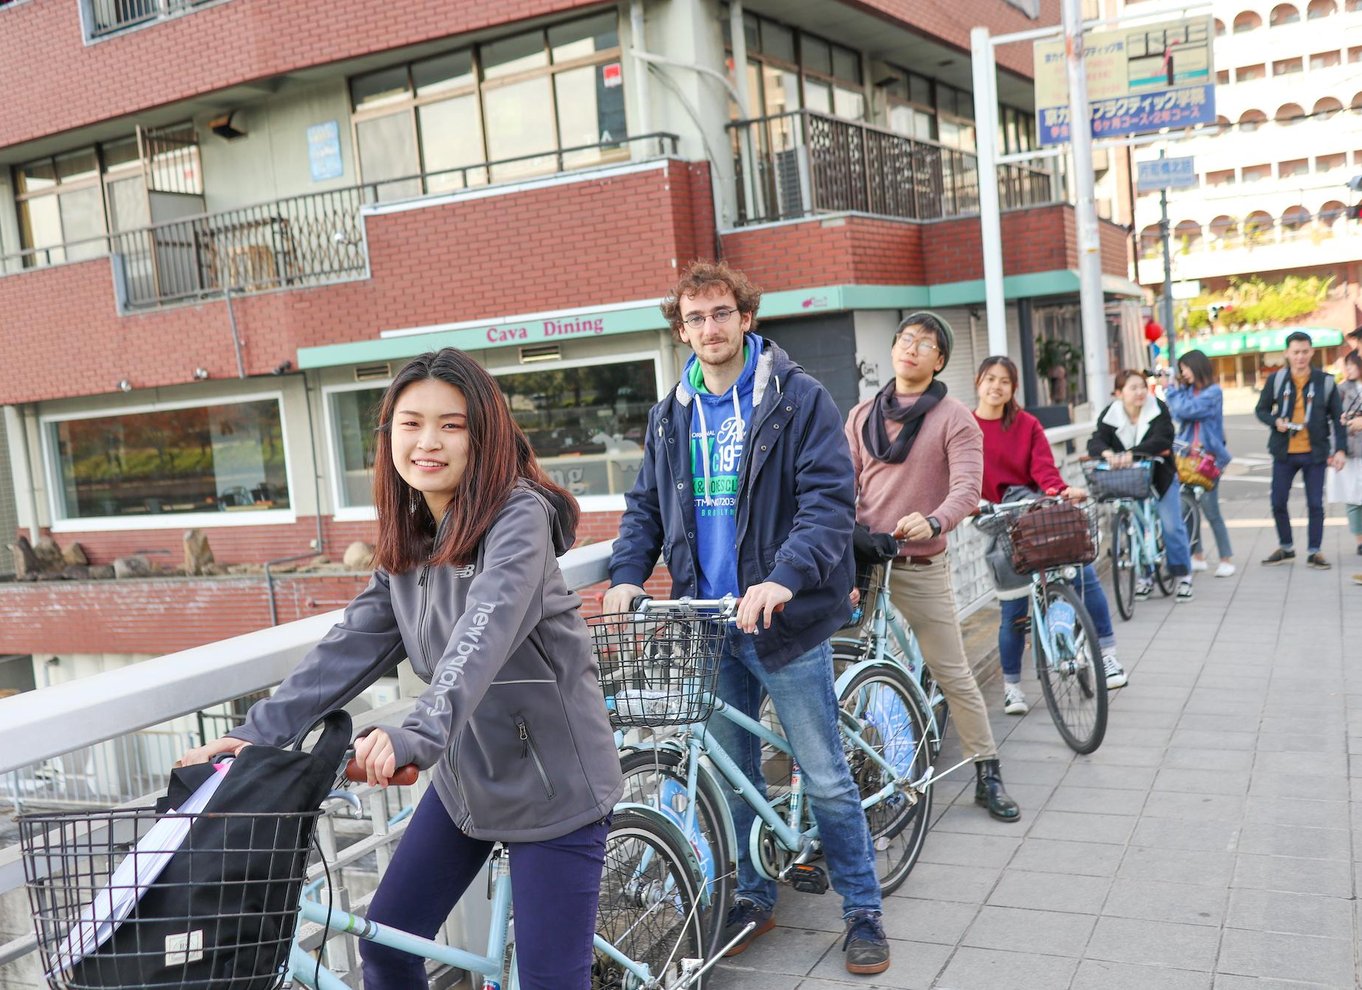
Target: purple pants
{"x": 555, "y": 885}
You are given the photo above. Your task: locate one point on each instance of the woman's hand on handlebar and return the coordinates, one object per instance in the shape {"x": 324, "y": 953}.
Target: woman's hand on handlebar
{"x": 1074, "y": 494}
{"x": 1118, "y": 458}
{"x": 226, "y": 746}
{"x": 375, "y": 756}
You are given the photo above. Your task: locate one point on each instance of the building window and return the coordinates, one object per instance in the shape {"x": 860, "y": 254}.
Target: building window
{"x": 1248, "y": 73}
{"x": 910, "y": 105}
{"x": 521, "y": 101}
{"x": 586, "y": 424}
{"x": 1284, "y": 13}
{"x": 1257, "y": 173}
{"x": 226, "y": 458}
{"x": 1297, "y": 166}
{"x": 1247, "y": 21}
{"x": 1224, "y": 177}
{"x": 1331, "y": 163}
{"x": 1287, "y": 66}
{"x": 790, "y": 70}
{"x": 1325, "y": 60}
{"x": 1222, "y": 77}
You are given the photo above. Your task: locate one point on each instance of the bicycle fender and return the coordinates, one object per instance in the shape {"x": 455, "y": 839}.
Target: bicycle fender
{"x": 665, "y": 824}
{"x": 730, "y": 831}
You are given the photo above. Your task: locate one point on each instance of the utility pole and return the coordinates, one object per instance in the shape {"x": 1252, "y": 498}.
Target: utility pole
{"x": 1091, "y": 306}
{"x": 1166, "y": 303}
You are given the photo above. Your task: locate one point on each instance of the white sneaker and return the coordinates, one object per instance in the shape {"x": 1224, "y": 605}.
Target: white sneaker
{"x": 1199, "y": 565}
{"x": 1116, "y": 674}
{"x": 1014, "y": 700}
{"x": 1185, "y": 592}
{"x": 1226, "y": 569}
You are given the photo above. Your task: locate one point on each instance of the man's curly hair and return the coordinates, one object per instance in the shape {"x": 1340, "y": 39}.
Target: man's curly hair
{"x": 702, "y": 278}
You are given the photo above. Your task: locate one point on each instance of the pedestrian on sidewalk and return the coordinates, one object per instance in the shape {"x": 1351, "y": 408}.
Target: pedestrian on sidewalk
{"x": 1303, "y": 407}
{"x": 918, "y": 456}
{"x": 1139, "y": 423}
{"x": 1345, "y": 485}
{"x": 1017, "y": 455}
{"x": 746, "y": 489}
{"x": 1198, "y": 404}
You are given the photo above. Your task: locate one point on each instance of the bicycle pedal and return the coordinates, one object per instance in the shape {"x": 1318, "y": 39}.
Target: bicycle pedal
{"x": 808, "y": 879}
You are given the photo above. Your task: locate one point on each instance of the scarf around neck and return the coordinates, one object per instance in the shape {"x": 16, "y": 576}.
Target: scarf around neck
{"x": 886, "y": 406}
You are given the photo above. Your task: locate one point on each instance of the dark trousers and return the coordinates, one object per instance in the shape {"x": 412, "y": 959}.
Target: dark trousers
{"x": 1284, "y": 472}
{"x": 555, "y": 886}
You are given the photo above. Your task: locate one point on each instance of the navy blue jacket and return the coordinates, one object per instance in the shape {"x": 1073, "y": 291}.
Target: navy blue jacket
{"x": 1324, "y": 422}
{"x": 796, "y": 506}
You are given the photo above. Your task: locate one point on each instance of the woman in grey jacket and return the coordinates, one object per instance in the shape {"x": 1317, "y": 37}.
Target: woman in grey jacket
{"x": 467, "y": 587}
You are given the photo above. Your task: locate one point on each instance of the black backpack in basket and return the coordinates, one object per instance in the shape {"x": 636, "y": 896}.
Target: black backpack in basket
{"x": 221, "y": 915}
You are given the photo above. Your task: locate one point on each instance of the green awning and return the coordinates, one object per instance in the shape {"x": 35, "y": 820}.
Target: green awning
{"x": 1257, "y": 341}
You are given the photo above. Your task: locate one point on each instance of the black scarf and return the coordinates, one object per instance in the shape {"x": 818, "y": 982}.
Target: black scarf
{"x": 886, "y": 406}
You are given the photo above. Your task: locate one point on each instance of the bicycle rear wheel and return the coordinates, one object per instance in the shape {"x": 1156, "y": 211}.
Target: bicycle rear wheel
{"x": 883, "y": 702}
{"x": 1123, "y": 563}
{"x": 648, "y": 908}
{"x": 1073, "y": 680}
{"x": 657, "y": 778}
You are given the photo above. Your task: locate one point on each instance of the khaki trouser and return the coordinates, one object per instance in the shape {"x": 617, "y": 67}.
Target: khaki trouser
{"x": 923, "y": 595}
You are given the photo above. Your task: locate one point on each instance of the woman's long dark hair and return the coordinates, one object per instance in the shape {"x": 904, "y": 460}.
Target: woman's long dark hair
{"x": 1200, "y": 366}
{"x": 1013, "y": 408}
{"x": 499, "y": 455}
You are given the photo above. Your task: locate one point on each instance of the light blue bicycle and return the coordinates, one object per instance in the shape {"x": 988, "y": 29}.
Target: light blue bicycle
{"x": 1139, "y": 560}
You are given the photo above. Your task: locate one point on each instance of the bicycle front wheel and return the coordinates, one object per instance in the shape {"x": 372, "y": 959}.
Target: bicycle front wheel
{"x": 892, "y": 724}
{"x": 649, "y": 909}
{"x": 1123, "y": 563}
{"x": 1069, "y": 666}
{"x": 657, "y": 778}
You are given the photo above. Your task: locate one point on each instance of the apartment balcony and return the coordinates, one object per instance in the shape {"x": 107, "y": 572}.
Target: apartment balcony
{"x": 802, "y": 164}
{"x": 1273, "y": 250}
{"x": 106, "y": 17}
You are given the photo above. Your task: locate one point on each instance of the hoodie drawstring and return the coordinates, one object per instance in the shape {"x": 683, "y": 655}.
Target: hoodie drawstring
{"x": 739, "y": 425}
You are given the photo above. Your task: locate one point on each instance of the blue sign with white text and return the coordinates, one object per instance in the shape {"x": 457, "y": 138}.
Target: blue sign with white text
{"x": 324, "y": 151}
{"x": 1185, "y": 107}
{"x": 1166, "y": 173}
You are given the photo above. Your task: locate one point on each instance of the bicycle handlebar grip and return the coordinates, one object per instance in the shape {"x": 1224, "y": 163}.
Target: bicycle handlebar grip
{"x": 404, "y": 777}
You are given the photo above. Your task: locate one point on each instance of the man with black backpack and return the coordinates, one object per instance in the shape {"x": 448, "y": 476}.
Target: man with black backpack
{"x": 1304, "y": 409}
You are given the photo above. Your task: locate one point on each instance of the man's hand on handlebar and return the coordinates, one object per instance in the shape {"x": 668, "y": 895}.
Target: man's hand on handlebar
{"x": 620, "y": 598}
{"x": 226, "y": 746}
{"x": 761, "y": 601}
{"x": 913, "y": 528}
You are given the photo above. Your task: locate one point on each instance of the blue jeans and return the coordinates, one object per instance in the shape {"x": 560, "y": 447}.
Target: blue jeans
{"x": 1174, "y": 531}
{"x": 1210, "y": 510}
{"x": 555, "y": 885}
{"x": 1012, "y": 640}
{"x": 806, "y": 702}
{"x": 1283, "y": 474}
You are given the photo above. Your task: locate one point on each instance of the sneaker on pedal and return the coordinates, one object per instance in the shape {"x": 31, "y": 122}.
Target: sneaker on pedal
{"x": 1116, "y": 674}
{"x": 743, "y": 913}
{"x": 866, "y": 948}
{"x": 1144, "y": 588}
{"x": 1014, "y": 699}
{"x": 1185, "y": 592}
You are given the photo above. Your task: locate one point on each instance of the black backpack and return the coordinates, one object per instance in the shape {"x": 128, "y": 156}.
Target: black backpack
{"x": 221, "y": 915}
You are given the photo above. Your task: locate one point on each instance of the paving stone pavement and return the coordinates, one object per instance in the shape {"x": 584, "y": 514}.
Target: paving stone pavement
{"x": 1213, "y": 842}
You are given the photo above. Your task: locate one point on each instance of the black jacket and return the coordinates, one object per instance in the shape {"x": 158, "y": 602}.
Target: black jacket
{"x": 1322, "y": 417}
{"x": 1155, "y": 441}
{"x": 796, "y": 506}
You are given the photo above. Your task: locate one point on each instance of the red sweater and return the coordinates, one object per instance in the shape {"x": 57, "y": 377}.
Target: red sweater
{"x": 1017, "y": 456}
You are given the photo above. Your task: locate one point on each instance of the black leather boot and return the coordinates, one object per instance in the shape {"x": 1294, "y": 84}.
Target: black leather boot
{"x": 988, "y": 791}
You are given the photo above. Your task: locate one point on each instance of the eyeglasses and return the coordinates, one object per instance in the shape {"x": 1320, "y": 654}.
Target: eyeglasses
{"x": 720, "y": 316}
{"x": 920, "y": 344}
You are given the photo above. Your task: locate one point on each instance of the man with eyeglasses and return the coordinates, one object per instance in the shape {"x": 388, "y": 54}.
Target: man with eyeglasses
{"x": 746, "y": 490}
{"x": 919, "y": 461}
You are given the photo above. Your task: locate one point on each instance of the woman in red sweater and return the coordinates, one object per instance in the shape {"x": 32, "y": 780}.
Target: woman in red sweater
{"x": 1017, "y": 453}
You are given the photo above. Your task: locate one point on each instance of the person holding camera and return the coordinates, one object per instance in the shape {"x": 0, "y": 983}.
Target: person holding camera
{"x": 1303, "y": 407}
{"x": 1198, "y": 405}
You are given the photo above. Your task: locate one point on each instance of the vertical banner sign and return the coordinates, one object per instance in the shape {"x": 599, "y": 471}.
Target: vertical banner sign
{"x": 324, "y": 151}
{"x": 1139, "y": 80}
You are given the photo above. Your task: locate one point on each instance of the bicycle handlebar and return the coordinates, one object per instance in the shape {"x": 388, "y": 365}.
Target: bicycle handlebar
{"x": 727, "y": 606}
{"x": 404, "y": 777}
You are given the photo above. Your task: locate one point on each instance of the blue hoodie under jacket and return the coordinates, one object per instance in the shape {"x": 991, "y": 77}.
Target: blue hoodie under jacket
{"x": 795, "y": 503}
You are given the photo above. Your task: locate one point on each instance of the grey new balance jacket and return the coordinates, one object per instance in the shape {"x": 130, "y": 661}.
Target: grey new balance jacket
{"x": 513, "y": 722}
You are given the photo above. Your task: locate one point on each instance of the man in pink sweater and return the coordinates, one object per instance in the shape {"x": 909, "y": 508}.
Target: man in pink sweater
{"x": 919, "y": 462}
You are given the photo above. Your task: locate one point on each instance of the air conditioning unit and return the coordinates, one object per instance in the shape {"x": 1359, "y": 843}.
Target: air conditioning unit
{"x": 373, "y": 372}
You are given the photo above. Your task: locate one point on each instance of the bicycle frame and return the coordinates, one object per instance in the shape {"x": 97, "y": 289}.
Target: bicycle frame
{"x": 304, "y": 970}
{"x": 1144, "y": 548}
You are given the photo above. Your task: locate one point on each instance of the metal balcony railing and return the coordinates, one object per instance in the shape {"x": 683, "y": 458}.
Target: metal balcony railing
{"x": 804, "y": 163}
{"x": 299, "y": 241}
{"x": 111, "y": 16}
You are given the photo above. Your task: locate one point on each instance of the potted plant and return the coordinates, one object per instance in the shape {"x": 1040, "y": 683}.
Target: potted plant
{"x": 1061, "y": 364}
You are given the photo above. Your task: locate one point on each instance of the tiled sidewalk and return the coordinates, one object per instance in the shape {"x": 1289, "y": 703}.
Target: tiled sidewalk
{"x": 1212, "y": 843}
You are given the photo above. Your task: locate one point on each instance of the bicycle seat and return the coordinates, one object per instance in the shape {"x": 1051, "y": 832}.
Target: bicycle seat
{"x": 873, "y": 548}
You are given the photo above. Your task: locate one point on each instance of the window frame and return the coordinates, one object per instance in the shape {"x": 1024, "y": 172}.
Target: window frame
{"x": 60, "y": 523}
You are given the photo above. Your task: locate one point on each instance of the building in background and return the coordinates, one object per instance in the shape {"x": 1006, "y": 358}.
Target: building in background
{"x": 1272, "y": 199}
{"x": 225, "y": 225}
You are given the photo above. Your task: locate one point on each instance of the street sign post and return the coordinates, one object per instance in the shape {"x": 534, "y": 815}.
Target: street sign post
{"x": 1139, "y": 80}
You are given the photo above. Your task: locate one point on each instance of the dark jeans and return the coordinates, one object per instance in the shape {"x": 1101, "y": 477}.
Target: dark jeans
{"x": 555, "y": 885}
{"x": 1011, "y": 640}
{"x": 1283, "y": 474}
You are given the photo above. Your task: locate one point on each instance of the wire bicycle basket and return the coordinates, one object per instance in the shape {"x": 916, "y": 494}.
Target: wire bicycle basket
{"x": 1106, "y": 482}
{"x": 658, "y": 667}
{"x": 130, "y": 898}
{"x": 1051, "y": 533}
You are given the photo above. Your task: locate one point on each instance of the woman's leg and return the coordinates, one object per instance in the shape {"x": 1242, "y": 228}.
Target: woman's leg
{"x": 555, "y": 885}
{"x": 1011, "y": 639}
{"x": 1174, "y": 532}
{"x": 1095, "y": 601}
{"x": 1355, "y": 522}
{"x": 431, "y": 868}
{"x": 1210, "y": 508}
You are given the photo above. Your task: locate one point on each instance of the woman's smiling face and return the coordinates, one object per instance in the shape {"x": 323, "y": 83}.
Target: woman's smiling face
{"x": 430, "y": 440}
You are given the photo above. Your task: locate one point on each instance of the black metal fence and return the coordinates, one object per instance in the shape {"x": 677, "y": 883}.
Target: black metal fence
{"x": 802, "y": 163}
{"x": 109, "y": 16}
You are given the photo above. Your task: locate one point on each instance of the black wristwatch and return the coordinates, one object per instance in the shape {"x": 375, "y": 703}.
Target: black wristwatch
{"x": 935, "y": 523}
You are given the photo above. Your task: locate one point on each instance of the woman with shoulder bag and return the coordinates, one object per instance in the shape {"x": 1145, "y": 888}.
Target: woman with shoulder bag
{"x": 467, "y": 587}
{"x": 1346, "y": 485}
{"x": 1139, "y": 423}
{"x": 1198, "y": 405}
{"x": 1017, "y": 455}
